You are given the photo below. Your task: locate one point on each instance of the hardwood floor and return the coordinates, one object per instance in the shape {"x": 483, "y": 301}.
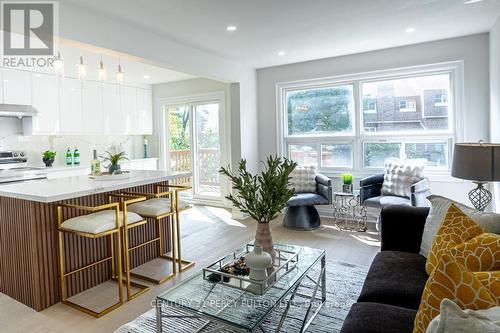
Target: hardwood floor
{"x": 208, "y": 233}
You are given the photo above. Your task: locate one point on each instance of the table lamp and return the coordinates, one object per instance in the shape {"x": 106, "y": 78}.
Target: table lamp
{"x": 479, "y": 162}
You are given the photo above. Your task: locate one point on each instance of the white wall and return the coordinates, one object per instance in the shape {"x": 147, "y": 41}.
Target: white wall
{"x": 473, "y": 50}
{"x": 495, "y": 94}
{"x": 120, "y": 36}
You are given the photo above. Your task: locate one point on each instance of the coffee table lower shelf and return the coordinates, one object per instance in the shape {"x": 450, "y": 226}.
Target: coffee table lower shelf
{"x": 314, "y": 303}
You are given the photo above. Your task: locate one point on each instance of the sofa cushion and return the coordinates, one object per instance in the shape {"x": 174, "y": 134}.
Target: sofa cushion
{"x": 395, "y": 278}
{"x": 378, "y": 318}
{"x": 307, "y": 199}
{"x": 439, "y": 207}
{"x": 303, "y": 179}
{"x": 399, "y": 176}
{"x": 385, "y": 200}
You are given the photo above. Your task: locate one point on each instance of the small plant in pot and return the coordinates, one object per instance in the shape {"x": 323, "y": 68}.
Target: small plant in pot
{"x": 114, "y": 161}
{"x": 346, "y": 182}
{"x": 262, "y": 196}
{"x": 48, "y": 157}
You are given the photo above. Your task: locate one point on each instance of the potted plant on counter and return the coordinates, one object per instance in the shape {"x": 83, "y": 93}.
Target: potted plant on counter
{"x": 262, "y": 196}
{"x": 346, "y": 182}
{"x": 114, "y": 161}
{"x": 48, "y": 157}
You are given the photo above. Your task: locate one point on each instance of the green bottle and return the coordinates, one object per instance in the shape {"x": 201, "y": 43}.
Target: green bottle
{"x": 76, "y": 156}
{"x": 69, "y": 157}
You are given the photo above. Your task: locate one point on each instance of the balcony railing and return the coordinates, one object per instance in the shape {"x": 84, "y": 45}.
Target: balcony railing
{"x": 208, "y": 161}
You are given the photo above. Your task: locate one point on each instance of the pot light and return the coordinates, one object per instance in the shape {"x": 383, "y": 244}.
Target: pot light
{"x": 410, "y": 30}
{"x": 146, "y": 76}
{"x": 281, "y": 53}
{"x": 231, "y": 28}
{"x": 468, "y": 2}
{"x": 101, "y": 72}
{"x": 82, "y": 70}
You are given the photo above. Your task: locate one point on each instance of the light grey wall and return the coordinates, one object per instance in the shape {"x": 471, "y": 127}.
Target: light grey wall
{"x": 495, "y": 94}
{"x": 473, "y": 50}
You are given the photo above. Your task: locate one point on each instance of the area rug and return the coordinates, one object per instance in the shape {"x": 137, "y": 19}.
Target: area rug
{"x": 343, "y": 284}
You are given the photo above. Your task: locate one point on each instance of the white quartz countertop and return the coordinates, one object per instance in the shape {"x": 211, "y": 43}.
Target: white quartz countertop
{"x": 51, "y": 190}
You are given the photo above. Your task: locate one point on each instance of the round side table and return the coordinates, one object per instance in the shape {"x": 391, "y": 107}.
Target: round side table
{"x": 348, "y": 213}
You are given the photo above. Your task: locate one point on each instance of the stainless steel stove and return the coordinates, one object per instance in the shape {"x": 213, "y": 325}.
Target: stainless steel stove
{"x": 14, "y": 168}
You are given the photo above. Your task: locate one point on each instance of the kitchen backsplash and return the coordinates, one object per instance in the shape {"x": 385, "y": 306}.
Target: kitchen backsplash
{"x": 12, "y": 138}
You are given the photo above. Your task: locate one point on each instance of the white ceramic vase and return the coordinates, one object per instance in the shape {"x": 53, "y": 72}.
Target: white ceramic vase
{"x": 258, "y": 261}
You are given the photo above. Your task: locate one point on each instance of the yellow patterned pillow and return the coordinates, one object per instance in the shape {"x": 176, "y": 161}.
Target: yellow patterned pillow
{"x": 455, "y": 230}
{"x": 481, "y": 253}
{"x": 491, "y": 281}
{"x": 453, "y": 281}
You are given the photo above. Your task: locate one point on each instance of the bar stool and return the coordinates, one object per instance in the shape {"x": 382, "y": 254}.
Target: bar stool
{"x": 158, "y": 207}
{"x": 179, "y": 206}
{"x": 124, "y": 201}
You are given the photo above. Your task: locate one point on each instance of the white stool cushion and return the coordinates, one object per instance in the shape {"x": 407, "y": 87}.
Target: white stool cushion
{"x": 154, "y": 207}
{"x": 95, "y": 223}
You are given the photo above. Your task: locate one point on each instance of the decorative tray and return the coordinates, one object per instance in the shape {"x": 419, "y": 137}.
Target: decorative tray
{"x": 285, "y": 262}
{"x": 106, "y": 176}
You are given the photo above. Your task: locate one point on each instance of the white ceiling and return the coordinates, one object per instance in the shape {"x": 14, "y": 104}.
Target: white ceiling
{"x": 304, "y": 29}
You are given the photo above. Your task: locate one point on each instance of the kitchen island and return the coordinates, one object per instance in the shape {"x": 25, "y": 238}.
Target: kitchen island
{"x": 28, "y": 234}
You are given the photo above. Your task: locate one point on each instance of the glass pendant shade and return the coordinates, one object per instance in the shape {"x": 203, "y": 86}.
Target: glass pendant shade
{"x": 82, "y": 70}
{"x": 101, "y": 72}
{"x": 58, "y": 65}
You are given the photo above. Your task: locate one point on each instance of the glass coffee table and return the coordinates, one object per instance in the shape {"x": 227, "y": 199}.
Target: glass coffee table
{"x": 242, "y": 310}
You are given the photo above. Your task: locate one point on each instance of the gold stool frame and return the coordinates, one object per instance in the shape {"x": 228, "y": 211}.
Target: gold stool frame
{"x": 182, "y": 263}
{"x": 124, "y": 201}
{"x": 159, "y": 239}
{"x": 110, "y": 233}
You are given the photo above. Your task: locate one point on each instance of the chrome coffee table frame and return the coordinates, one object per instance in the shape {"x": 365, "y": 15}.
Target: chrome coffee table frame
{"x": 319, "y": 284}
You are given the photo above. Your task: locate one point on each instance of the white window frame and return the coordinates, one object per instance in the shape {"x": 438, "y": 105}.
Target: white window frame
{"x": 453, "y": 134}
{"x": 406, "y": 108}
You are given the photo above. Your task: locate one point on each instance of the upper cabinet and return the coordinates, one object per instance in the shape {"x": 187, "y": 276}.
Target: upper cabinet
{"x": 92, "y": 108}
{"x": 144, "y": 111}
{"x": 70, "y": 106}
{"x": 16, "y": 87}
{"x": 70, "y": 99}
{"x": 46, "y": 103}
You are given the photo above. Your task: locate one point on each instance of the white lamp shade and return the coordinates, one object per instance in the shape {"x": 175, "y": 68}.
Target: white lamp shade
{"x": 476, "y": 161}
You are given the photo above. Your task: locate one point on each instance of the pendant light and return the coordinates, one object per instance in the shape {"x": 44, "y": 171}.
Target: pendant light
{"x": 119, "y": 74}
{"x": 82, "y": 70}
{"x": 58, "y": 65}
{"x": 101, "y": 72}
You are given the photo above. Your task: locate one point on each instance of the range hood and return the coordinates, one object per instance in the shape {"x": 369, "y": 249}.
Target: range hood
{"x": 17, "y": 110}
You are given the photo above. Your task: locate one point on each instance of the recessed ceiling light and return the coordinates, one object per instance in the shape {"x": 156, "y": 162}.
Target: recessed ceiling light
{"x": 410, "y": 29}
{"x": 231, "y": 28}
{"x": 147, "y": 76}
{"x": 468, "y": 2}
{"x": 281, "y": 53}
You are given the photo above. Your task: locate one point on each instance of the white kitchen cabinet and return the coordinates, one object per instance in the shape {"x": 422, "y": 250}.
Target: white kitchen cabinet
{"x": 129, "y": 109}
{"x": 70, "y": 100}
{"x": 16, "y": 87}
{"x": 46, "y": 103}
{"x": 93, "y": 115}
{"x": 114, "y": 121}
{"x": 144, "y": 111}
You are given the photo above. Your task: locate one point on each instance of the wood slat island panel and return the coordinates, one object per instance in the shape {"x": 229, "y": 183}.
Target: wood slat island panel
{"x": 29, "y": 249}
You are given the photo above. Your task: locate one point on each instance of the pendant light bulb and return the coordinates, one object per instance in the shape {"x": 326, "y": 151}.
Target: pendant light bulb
{"x": 82, "y": 70}
{"x": 101, "y": 72}
{"x": 120, "y": 75}
{"x": 58, "y": 64}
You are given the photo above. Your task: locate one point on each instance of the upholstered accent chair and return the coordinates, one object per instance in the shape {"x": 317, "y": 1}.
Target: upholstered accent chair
{"x": 371, "y": 193}
{"x": 301, "y": 213}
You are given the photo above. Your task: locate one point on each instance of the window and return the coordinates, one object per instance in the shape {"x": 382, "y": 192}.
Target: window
{"x": 320, "y": 111}
{"x": 408, "y": 105}
{"x": 403, "y": 114}
{"x": 369, "y": 105}
{"x": 336, "y": 155}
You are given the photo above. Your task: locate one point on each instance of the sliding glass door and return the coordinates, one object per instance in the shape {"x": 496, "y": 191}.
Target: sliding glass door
{"x": 194, "y": 145}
